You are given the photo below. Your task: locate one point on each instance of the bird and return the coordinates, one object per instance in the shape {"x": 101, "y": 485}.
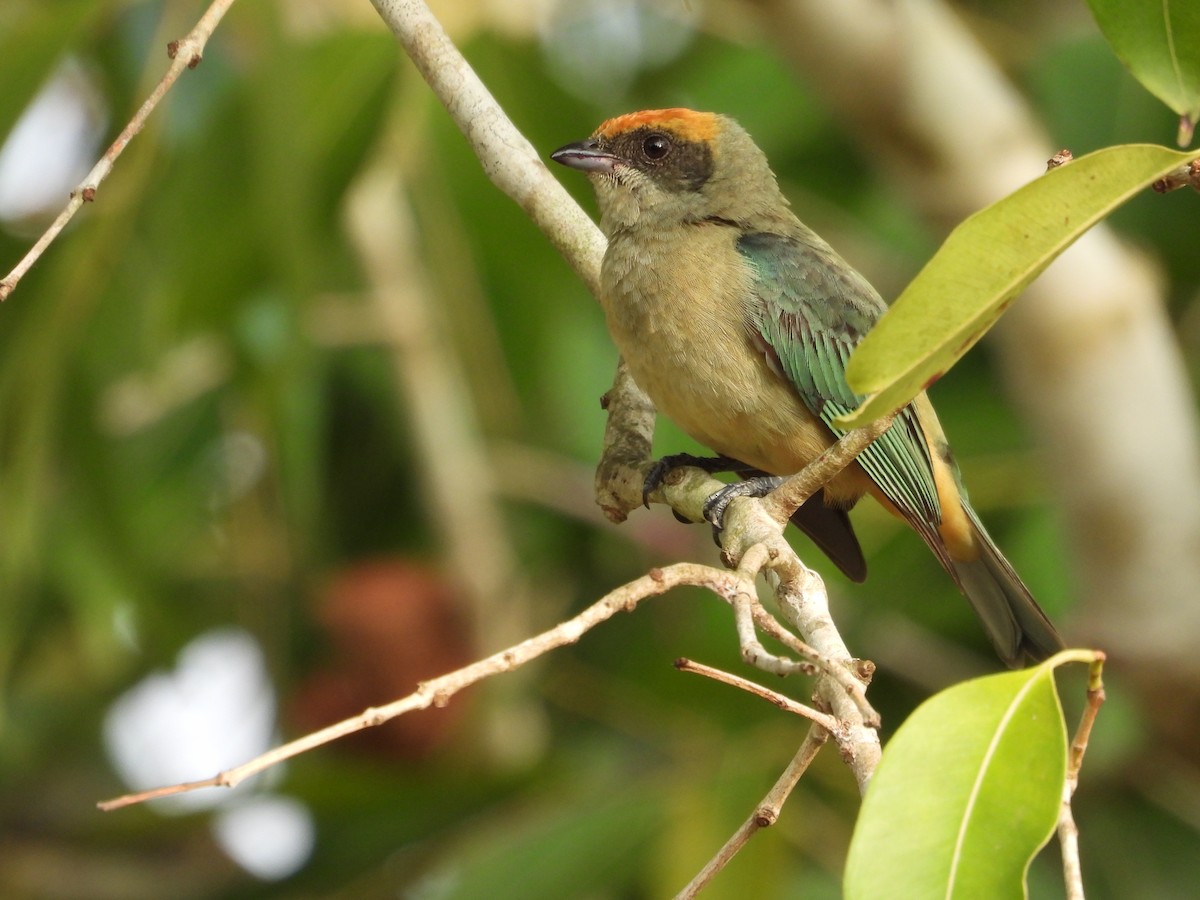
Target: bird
{"x": 737, "y": 320}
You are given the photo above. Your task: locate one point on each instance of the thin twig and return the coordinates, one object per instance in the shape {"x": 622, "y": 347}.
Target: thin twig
{"x": 1068, "y": 832}
{"x": 185, "y": 53}
{"x": 764, "y": 815}
{"x": 805, "y": 604}
{"x": 787, "y": 704}
{"x": 790, "y": 496}
{"x": 1068, "y": 839}
{"x": 439, "y": 691}
{"x": 853, "y": 681}
{"x": 815, "y": 618}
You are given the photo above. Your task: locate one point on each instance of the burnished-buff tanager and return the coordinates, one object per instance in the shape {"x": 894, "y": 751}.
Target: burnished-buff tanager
{"x": 737, "y": 320}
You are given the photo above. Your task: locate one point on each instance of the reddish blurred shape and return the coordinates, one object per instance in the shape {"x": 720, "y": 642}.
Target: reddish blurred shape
{"x": 390, "y": 623}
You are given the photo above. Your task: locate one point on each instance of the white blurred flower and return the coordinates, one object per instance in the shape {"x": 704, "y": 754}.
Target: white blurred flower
{"x": 215, "y": 710}
{"x": 595, "y": 48}
{"x": 52, "y": 147}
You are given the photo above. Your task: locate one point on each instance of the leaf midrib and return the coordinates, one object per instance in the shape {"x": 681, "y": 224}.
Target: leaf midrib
{"x": 977, "y": 786}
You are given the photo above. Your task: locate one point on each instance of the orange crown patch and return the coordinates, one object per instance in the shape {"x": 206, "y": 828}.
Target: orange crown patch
{"x": 684, "y": 123}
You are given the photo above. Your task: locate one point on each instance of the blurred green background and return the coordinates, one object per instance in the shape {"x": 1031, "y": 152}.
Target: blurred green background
{"x": 214, "y": 435}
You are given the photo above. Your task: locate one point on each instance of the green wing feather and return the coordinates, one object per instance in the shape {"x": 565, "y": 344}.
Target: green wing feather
{"x": 811, "y": 309}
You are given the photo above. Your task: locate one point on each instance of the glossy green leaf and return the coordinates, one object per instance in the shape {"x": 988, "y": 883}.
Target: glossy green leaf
{"x": 983, "y": 265}
{"x": 967, "y": 792}
{"x": 1159, "y": 42}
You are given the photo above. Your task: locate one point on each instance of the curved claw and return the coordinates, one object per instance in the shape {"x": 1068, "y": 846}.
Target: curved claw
{"x": 715, "y": 506}
{"x": 654, "y": 479}
{"x": 660, "y": 468}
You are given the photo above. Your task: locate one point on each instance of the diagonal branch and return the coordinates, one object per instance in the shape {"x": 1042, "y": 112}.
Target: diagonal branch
{"x": 509, "y": 160}
{"x": 438, "y": 691}
{"x": 185, "y": 53}
{"x": 764, "y": 815}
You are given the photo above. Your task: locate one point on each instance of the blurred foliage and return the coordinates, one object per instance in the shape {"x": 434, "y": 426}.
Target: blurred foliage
{"x": 1161, "y": 48}
{"x": 201, "y": 426}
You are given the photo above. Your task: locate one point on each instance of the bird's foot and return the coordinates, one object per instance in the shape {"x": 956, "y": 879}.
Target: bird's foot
{"x": 715, "y": 506}
{"x": 660, "y": 468}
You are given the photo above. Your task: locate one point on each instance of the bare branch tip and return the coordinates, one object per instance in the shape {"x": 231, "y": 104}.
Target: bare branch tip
{"x": 1061, "y": 158}
{"x": 614, "y": 514}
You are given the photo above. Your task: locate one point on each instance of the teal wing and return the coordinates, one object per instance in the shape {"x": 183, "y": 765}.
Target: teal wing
{"x": 809, "y": 309}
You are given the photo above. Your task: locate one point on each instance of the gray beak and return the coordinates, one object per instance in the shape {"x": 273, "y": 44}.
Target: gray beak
{"x": 586, "y": 156}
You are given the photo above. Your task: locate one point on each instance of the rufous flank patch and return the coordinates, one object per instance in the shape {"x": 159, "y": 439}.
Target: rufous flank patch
{"x": 684, "y": 123}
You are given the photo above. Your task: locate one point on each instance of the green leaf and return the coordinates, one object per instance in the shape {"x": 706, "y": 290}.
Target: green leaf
{"x": 1159, "y": 42}
{"x": 983, "y": 265}
{"x": 966, "y": 793}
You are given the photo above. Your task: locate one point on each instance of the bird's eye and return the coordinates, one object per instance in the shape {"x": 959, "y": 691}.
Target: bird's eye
{"x": 656, "y": 146}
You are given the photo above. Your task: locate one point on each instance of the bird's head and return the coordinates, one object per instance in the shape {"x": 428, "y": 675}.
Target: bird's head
{"x": 664, "y": 166}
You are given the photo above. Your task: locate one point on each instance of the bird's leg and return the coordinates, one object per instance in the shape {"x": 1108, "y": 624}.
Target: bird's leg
{"x": 710, "y": 464}
{"x": 715, "y": 506}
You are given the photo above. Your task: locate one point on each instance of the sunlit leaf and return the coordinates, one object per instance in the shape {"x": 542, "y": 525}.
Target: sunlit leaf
{"x": 983, "y": 265}
{"x": 1159, "y": 42}
{"x": 967, "y": 792}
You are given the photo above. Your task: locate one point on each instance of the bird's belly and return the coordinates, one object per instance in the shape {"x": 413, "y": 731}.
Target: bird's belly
{"x": 726, "y": 397}
{"x": 677, "y": 318}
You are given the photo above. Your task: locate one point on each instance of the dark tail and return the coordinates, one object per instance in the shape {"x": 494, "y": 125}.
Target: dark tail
{"x": 1010, "y": 616}
{"x": 829, "y": 528}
